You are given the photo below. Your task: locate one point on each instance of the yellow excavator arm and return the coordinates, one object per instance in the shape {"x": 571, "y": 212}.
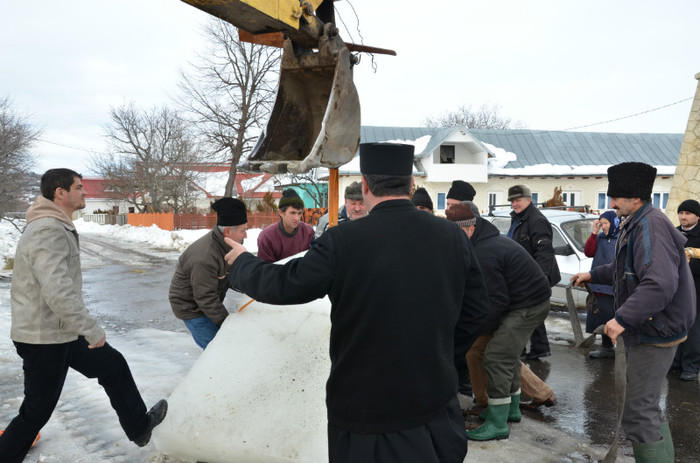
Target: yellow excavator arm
{"x": 292, "y": 17}
{"x": 315, "y": 120}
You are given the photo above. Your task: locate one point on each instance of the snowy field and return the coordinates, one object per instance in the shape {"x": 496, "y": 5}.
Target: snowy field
{"x": 84, "y": 428}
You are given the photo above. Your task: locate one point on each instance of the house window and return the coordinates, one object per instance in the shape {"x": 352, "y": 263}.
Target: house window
{"x": 603, "y": 201}
{"x": 571, "y": 198}
{"x": 535, "y": 198}
{"x": 659, "y": 200}
{"x": 441, "y": 198}
{"x": 447, "y": 154}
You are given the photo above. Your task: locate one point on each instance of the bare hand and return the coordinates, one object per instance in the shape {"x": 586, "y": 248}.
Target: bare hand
{"x": 236, "y": 250}
{"x": 580, "y": 278}
{"x": 613, "y": 329}
{"x": 98, "y": 344}
{"x": 597, "y": 225}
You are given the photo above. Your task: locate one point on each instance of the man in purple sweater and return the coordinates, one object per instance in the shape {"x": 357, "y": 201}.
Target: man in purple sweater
{"x": 288, "y": 237}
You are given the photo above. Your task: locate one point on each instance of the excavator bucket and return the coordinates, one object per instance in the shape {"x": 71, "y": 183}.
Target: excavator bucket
{"x": 315, "y": 120}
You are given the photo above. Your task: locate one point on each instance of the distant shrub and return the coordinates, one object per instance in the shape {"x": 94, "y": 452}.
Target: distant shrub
{"x": 9, "y": 263}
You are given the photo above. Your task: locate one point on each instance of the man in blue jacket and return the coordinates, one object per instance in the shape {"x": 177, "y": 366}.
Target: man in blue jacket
{"x": 654, "y": 304}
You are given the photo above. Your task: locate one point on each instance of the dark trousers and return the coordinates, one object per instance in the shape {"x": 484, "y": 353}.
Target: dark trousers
{"x": 688, "y": 354}
{"x": 45, "y": 368}
{"x": 538, "y": 341}
{"x": 441, "y": 440}
{"x": 646, "y": 372}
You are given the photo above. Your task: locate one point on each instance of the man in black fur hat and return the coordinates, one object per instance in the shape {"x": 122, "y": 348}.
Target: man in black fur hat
{"x": 655, "y": 304}
{"x": 402, "y": 308}
{"x": 421, "y": 199}
{"x": 199, "y": 285}
{"x": 458, "y": 192}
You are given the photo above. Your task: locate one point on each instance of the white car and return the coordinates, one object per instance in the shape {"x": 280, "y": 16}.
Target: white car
{"x": 570, "y": 230}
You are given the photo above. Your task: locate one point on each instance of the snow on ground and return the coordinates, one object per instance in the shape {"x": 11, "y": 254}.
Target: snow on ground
{"x": 83, "y": 427}
{"x": 153, "y": 236}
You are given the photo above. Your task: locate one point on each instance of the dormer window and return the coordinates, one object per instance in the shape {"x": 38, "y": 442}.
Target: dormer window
{"x": 447, "y": 154}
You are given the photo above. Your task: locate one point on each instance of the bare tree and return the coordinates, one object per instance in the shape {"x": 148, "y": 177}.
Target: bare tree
{"x": 484, "y": 117}
{"x": 16, "y": 138}
{"x": 150, "y": 158}
{"x": 229, "y": 92}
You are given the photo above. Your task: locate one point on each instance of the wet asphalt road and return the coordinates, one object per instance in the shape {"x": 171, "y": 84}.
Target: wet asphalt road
{"x": 586, "y": 400}
{"x": 128, "y": 289}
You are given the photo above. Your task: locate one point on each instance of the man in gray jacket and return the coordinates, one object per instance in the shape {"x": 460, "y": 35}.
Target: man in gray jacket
{"x": 52, "y": 329}
{"x": 654, "y": 304}
{"x": 199, "y": 286}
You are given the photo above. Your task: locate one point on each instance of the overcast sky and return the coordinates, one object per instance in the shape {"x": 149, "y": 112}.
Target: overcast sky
{"x": 552, "y": 64}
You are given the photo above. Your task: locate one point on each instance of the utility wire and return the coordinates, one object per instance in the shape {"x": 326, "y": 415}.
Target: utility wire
{"x": 43, "y": 140}
{"x": 627, "y": 117}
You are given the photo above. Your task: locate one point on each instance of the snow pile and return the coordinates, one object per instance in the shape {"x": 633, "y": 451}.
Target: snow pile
{"x": 153, "y": 236}
{"x": 9, "y": 236}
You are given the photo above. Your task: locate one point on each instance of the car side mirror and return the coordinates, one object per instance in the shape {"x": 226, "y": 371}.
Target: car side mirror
{"x": 565, "y": 250}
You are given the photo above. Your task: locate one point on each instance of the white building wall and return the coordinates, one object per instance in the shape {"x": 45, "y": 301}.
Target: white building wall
{"x": 588, "y": 187}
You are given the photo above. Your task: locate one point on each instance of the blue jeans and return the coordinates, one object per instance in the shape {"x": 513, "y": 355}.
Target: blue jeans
{"x": 203, "y": 330}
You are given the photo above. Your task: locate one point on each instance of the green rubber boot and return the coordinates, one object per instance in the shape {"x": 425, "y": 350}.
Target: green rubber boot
{"x": 495, "y": 426}
{"x": 514, "y": 415}
{"x": 668, "y": 440}
{"x": 650, "y": 452}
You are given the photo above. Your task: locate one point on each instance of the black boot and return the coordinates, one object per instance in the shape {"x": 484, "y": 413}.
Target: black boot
{"x": 155, "y": 416}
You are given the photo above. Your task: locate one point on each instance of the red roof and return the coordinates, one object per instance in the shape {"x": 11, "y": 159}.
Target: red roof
{"x": 96, "y": 189}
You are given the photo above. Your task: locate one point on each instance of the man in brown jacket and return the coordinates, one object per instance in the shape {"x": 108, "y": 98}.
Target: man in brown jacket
{"x": 199, "y": 285}
{"x": 52, "y": 329}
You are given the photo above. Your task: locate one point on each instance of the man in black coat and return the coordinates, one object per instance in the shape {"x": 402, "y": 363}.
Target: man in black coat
{"x": 688, "y": 354}
{"x": 531, "y": 229}
{"x": 407, "y": 296}
{"x": 519, "y": 296}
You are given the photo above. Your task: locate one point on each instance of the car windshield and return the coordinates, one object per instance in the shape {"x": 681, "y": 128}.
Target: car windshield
{"x": 578, "y": 231}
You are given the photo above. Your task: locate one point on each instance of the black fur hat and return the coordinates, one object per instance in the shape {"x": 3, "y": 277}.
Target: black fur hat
{"x": 230, "y": 212}
{"x": 631, "y": 180}
{"x": 461, "y": 191}
{"x": 422, "y": 198}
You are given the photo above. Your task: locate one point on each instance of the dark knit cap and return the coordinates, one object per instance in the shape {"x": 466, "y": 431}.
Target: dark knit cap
{"x": 461, "y": 214}
{"x": 290, "y": 198}
{"x": 690, "y": 205}
{"x": 518, "y": 191}
{"x": 230, "y": 212}
{"x": 353, "y": 191}
{"x": 631, "y": 180}
{"x": 461, "y": 191}
{"x": 386, "y": 159}
{"x": 422, "y": 198}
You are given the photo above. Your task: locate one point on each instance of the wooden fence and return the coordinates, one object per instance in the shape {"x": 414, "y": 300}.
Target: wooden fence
{"x": 163, "y": 220}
